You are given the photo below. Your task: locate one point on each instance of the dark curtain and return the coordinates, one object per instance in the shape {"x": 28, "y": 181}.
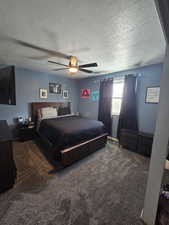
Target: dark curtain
{"x": 128, "y": 114}
{"x": 105, "y": 104}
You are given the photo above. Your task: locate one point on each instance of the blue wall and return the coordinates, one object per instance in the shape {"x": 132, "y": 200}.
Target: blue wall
{"x": 27, "y": 90}
{"x": 149, "y": 76}
{"x": 28, "y": 83}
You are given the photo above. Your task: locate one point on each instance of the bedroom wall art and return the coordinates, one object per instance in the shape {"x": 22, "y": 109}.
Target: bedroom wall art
{"x": 153, "y": 95}
{"x": 43, "y": 93}
{"x": 65, "y": 94}
{"x": 55, "y": 88}
{"x": 95, "y": 95}
{"x": 85, "y": 93}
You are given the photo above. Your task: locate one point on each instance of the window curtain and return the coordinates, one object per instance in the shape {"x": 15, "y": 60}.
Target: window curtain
{"x": 105, "y": 104}
{"x": 128, "y": 113}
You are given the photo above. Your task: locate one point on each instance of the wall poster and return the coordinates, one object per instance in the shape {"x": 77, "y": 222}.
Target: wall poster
{"x": 153, "y": 95}
{"x": 95, "y": 95}
{"x": 85, "y": 93}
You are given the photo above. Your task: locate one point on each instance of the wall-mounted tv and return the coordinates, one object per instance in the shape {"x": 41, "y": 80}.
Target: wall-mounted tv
{"x": 7, "y": 85}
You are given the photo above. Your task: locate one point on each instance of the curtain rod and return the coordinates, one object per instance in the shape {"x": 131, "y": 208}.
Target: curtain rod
{"x": 110, "y": 77}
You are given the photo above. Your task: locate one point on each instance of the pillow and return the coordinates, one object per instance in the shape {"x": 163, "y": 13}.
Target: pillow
{"x": 48, "y": 112}
{"x": 67, "y": 115}
{"x": 63, "y": 111}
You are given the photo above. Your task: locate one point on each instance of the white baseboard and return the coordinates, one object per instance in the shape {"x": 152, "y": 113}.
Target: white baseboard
{"x": 113, "y": 139}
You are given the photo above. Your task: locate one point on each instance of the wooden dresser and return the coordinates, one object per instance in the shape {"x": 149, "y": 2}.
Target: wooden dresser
{"x": 7, "y": 164}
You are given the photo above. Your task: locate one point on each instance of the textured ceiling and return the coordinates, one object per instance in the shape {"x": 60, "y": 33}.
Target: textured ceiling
{"x": 117, "y": 34}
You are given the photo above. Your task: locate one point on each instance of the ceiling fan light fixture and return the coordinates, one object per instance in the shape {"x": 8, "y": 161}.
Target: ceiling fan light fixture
{"x": 73, "y": 70}
{"x": 73, "y": 67}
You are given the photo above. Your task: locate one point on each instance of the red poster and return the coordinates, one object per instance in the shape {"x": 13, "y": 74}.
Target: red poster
{"x": 85, "y": 93}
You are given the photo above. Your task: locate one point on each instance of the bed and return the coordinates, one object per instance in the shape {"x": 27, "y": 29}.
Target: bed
{"x": 69, "y": 137}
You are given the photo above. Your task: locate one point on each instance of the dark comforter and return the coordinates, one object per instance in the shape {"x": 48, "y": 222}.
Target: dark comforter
{"x": 68, "y": 131}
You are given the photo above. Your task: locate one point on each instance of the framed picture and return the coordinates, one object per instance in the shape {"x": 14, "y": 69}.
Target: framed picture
{"x": 55, "y": 88}
{"x": 65, "y": 94}
{"x": 43, "y": 93}
{"x": 152, "y": 95}
{"x": 85, "y": 93}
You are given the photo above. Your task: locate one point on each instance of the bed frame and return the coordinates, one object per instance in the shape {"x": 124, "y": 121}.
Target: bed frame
{"x": 69, "y": 155}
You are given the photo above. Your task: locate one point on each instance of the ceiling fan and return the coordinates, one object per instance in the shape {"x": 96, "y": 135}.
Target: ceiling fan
{"x": 73, "y": 66}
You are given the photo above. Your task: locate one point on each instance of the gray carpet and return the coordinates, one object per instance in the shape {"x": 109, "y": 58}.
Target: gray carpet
{"x": 106, "y": 188}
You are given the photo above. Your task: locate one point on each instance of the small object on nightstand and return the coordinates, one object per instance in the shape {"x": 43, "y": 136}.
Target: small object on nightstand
{"x": 27, "y": 132}
{"x": 31, "y": 125}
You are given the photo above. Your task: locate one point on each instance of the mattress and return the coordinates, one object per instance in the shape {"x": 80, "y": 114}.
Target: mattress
{"x": 69, "y": 131}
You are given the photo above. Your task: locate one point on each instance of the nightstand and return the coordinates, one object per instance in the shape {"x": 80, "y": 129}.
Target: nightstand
{"x": 27, "y": 133}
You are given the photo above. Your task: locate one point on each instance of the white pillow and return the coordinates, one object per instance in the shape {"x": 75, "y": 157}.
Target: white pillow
{"x": 48, "y": 112}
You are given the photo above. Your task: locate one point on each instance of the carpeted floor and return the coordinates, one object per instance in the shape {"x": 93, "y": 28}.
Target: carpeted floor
{"x": 106, "y": 188}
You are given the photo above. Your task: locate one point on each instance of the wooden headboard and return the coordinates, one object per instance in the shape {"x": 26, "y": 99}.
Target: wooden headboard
{"x": 38, "y": 105}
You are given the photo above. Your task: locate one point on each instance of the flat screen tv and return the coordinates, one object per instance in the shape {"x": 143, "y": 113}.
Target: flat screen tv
{"x": 7, "y": 86}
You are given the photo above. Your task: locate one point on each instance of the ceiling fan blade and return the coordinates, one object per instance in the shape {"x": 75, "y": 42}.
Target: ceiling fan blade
{"x": 61, "y": 64}
{"x": 28, "y": 45}
{"x": 86, "y": 71}
{"x": 38, "y": 57}
{"x": 89, "y": 65}
{"x": 60, "y": 69}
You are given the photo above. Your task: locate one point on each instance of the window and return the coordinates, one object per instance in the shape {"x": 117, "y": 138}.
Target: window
{"x": 117, "y": 96}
